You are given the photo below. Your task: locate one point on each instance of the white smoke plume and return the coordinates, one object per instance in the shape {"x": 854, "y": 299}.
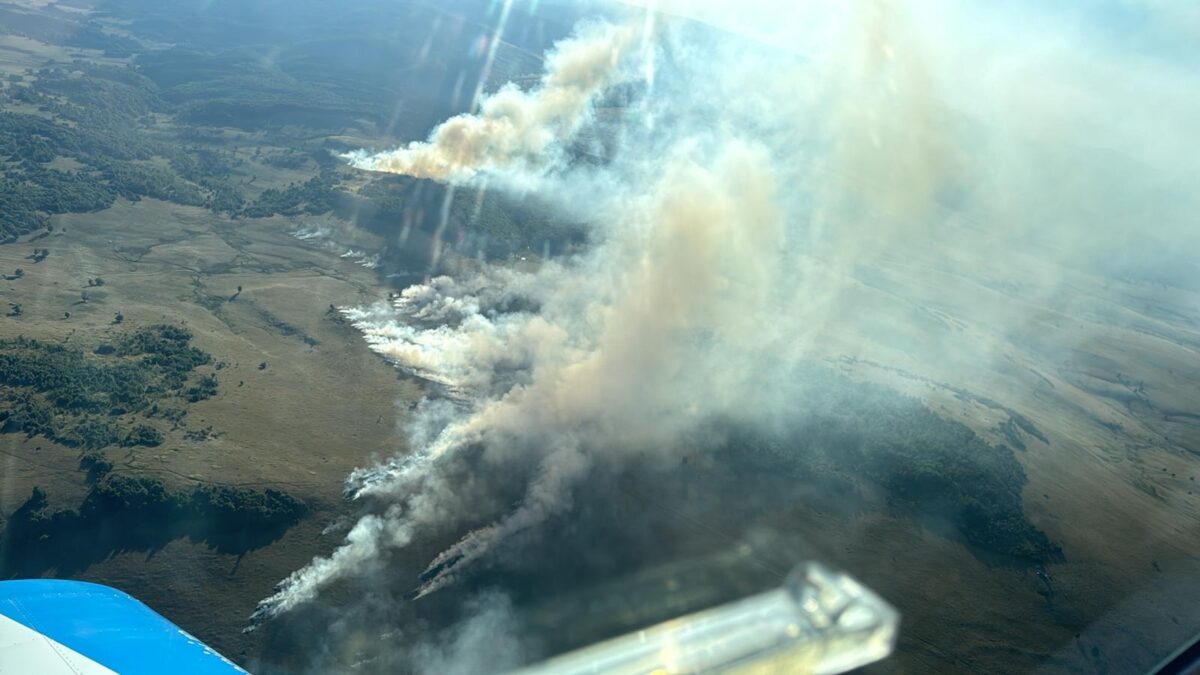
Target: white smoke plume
{"x": 603, "y": 366}
{"x": 360, "y": 550}
{"x": 514, "y": 128}
{"x": 329, "y": 238}
{"x": 753, "y": 194}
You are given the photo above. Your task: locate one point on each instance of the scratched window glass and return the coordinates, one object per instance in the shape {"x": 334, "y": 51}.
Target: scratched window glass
{"x": 672, "y": 336}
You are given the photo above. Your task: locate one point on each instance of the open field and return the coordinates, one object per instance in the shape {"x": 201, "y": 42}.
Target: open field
{"x": 320, "y": 407}
{"x": 1105, "y": 370}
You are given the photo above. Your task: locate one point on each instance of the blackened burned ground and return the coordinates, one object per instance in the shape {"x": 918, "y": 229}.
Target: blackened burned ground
{"x": 728, "y": 514}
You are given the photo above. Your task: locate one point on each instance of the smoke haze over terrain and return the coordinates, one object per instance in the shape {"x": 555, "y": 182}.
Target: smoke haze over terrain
{"x": 769, "y": 165}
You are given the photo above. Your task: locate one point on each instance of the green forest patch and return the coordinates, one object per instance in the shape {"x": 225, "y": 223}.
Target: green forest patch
{"x": 111, "y": 395}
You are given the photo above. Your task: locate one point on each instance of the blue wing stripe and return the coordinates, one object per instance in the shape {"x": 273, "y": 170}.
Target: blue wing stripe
{"x": 110, "y": 627}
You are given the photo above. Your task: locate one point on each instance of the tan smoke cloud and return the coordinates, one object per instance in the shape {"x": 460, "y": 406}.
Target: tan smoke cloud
{"x": 696, "y": 258}
{"x": 515, "y": 127}
{"x": 748, "y": 228}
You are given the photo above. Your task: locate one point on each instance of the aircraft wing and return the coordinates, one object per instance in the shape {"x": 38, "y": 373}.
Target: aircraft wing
{"x": 56, "y": 627}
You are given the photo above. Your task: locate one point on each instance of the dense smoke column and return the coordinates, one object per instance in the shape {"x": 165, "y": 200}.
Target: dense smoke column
{"x": 728, "y": 232}
{"x": 515, "y": 129}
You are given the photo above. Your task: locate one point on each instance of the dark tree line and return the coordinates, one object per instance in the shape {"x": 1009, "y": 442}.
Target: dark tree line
{"x": 122, "y": 513}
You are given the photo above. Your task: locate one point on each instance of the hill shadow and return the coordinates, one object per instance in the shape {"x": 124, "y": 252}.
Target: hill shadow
{"x": 122, "y": 514}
